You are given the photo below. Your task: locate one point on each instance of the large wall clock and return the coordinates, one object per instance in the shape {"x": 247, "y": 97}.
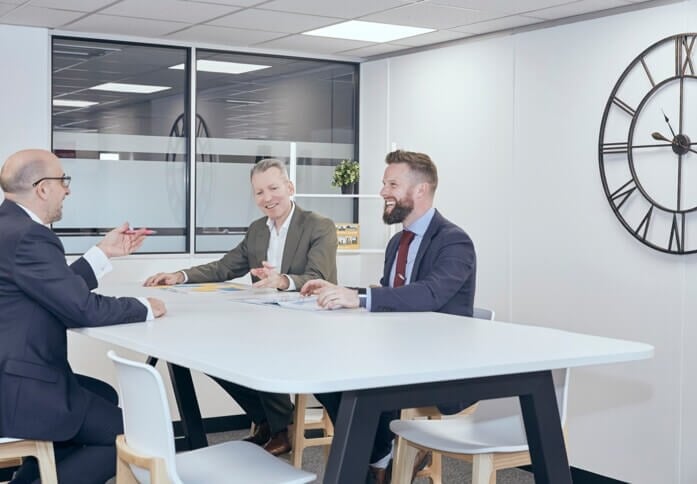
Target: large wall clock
{"x": 648, "y": 146}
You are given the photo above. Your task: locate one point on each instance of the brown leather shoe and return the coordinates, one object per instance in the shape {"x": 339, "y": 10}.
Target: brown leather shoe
{"x": 261, "y": 435}
{"x": 379, "y": 476}
{"x": 421, "y": 461}
{"x": 278, "y": 444}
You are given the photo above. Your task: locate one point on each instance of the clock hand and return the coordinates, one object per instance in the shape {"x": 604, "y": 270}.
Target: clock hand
{"x": 659, "y": 137}
{"x": 668, "y": 122}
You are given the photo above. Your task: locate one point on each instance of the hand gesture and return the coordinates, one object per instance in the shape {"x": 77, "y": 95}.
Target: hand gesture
{"x": 314, "y": 286}
{"x": 164, "y": 279}
{"x": 270, "y": 277}
{"x": 122, "y": 240}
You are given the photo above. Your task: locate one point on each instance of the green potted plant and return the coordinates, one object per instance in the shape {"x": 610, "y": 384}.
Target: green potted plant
{"x": 346, "y": 176}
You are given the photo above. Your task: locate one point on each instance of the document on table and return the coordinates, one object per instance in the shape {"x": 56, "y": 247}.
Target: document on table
{"x": 207, "y": 287}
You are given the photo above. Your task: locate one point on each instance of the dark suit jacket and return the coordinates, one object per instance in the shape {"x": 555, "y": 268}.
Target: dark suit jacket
{"x": 309, "y": 253}
{"x": 443, "y": 278}
{"x": 41, "y": 296}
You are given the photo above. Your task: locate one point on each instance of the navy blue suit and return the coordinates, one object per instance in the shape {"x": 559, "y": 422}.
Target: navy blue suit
{"x": 40, "y": 396}
{"x": 443, "y": 280}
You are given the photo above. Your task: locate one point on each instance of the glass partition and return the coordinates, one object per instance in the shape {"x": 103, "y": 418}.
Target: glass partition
{"x": 253, "y": 107}
{"x": 119, "y": 112}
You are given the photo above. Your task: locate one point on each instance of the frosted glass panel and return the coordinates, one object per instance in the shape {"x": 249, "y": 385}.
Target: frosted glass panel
{"x": 126, "y": 151}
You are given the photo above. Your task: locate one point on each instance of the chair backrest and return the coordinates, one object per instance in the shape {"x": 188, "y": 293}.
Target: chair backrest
{"x": 147, "y": 420}
{"x": 483, "y": 313}
{"x": 510, "y": 407}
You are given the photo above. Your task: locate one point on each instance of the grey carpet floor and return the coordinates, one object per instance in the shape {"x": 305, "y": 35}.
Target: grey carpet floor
{"x": 454, "y": 471}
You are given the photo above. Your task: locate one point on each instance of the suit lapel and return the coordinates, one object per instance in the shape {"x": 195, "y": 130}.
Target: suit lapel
{"x": 292, "y": 239}
{"x": 425, "y": 242}
{"x": 260, "y": 240}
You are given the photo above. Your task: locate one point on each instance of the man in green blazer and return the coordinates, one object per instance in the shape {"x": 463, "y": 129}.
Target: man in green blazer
{"x": 284, "y": 249}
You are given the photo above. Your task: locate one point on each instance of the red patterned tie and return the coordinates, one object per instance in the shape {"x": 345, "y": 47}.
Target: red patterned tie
{"x": 400, "y": 273}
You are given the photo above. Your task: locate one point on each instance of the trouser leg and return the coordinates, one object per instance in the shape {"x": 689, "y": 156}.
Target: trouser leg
{"x": 274, "y": 408}
{"x": 90, "y": 456}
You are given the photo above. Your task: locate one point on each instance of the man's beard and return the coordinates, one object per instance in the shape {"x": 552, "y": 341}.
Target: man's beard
{"x": 399, "y": 212}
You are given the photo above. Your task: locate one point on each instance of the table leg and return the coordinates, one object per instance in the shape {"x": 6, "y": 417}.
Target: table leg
{"x": 359, "y": 412}
{"x": 189, "y": 411}
{"x": 353, "y": 439}
{"x": 543, "y": 429}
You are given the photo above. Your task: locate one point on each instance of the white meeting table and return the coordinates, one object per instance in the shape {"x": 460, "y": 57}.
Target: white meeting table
{"x": 380, "y": 361}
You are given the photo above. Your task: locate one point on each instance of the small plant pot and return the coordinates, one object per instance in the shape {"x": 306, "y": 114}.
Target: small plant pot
{"x": 349, "y": 189}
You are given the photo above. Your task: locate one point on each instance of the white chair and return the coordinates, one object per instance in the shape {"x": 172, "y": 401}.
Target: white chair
{"x": 43, "y": 451}
{"x": 492, "y": 438}
{"x": 405, "y": 455}
{"x": 145, "y": 453}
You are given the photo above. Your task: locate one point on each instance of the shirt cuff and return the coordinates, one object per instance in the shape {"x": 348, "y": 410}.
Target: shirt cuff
{"x": 291, "y": 283}
{"x": 186, "y": 278}
{"x": 98, "y": 261}
{"x": 146, "y": 303}
{"x": 368, "y": 298}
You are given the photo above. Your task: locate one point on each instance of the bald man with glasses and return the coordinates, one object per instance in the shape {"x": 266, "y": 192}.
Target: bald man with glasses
{"x": 40, "y": 297}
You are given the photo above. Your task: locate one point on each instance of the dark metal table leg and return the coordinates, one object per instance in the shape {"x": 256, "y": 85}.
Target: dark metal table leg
{"x": 187, "y": 404}
{"x": 545, "y": 437}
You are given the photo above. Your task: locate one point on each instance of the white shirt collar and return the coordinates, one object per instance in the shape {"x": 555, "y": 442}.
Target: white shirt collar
{"x": 286, "y": 224}
{"x": 32, "y": 215}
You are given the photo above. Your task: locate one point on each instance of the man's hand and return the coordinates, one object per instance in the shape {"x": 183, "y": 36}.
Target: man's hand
{"x": 164, "y": 279}
{"x": 314, "y": 286}
{"x": 157, "y": 306}
{"x": 331, "y": 296}
{"x": 270, "y": 277}
{"x": 122, "y": 240}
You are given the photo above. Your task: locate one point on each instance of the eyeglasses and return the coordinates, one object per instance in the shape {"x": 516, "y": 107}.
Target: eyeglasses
{"x": 65, "y": 180}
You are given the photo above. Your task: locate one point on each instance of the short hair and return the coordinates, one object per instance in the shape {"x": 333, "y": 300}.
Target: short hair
{"x": 420, "y": 165}
{"x": 23, "y": 178}
{"x": 268, "y": 163}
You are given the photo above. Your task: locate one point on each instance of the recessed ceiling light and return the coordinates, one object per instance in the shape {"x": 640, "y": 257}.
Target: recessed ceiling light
{"x": 73, "y": 103}
{"x": 134, "y": 88}
{"x": 223, "y": 67}
{"x": 241, "y": 101}
{"x": 368, "y": 31}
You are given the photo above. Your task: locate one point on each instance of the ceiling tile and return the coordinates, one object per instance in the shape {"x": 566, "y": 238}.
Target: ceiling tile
{"x": 4, "y": 8}
{"x": 432, "y": 38}
{"x": 224, "y": 35}
{"x": 234, "y": 3}
{"x": 77, "y": 5}
{"x": 112, "y": 24}
{"x": 332, "y": 8}
{"x": 169, "y": 10}
{"x": 290, "y": 23}
{"x": 372, "y": 50}
{"x": 14, "y": 2}
{"x": 498, "y": 24}
{"x": 433, "y": 16}
{"x": 503, "y": 6}
{"x": 40, "y": 17}
{"x": 313, "y": 45}
{"x": 576, "y": 8}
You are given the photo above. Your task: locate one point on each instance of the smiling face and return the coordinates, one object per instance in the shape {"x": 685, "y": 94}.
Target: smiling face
{"x": 398, "y": 192}
{"x": 272, "y": 192}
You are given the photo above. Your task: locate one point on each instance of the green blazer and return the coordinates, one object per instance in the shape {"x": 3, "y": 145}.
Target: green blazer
{"x": 310, "y": 252}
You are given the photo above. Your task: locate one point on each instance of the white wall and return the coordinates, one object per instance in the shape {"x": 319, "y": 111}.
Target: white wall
{"x": 512, "y": 122}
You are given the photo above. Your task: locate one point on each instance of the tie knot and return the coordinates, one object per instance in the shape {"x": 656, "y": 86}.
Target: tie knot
{"x": 407, "y": 237}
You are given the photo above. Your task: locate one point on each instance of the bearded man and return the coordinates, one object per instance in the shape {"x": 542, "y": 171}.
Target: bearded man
{"x": 429, "y": 266}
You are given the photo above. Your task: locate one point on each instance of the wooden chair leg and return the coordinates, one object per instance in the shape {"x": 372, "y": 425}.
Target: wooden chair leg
{"x": 47, "y": 462}
{"x": 403, "y": 463}
{"x": 436, "y": 468}
{"x": 483, "y": 468}
{"x": 125, "y": 456}
{"x": 299, "y": 430}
